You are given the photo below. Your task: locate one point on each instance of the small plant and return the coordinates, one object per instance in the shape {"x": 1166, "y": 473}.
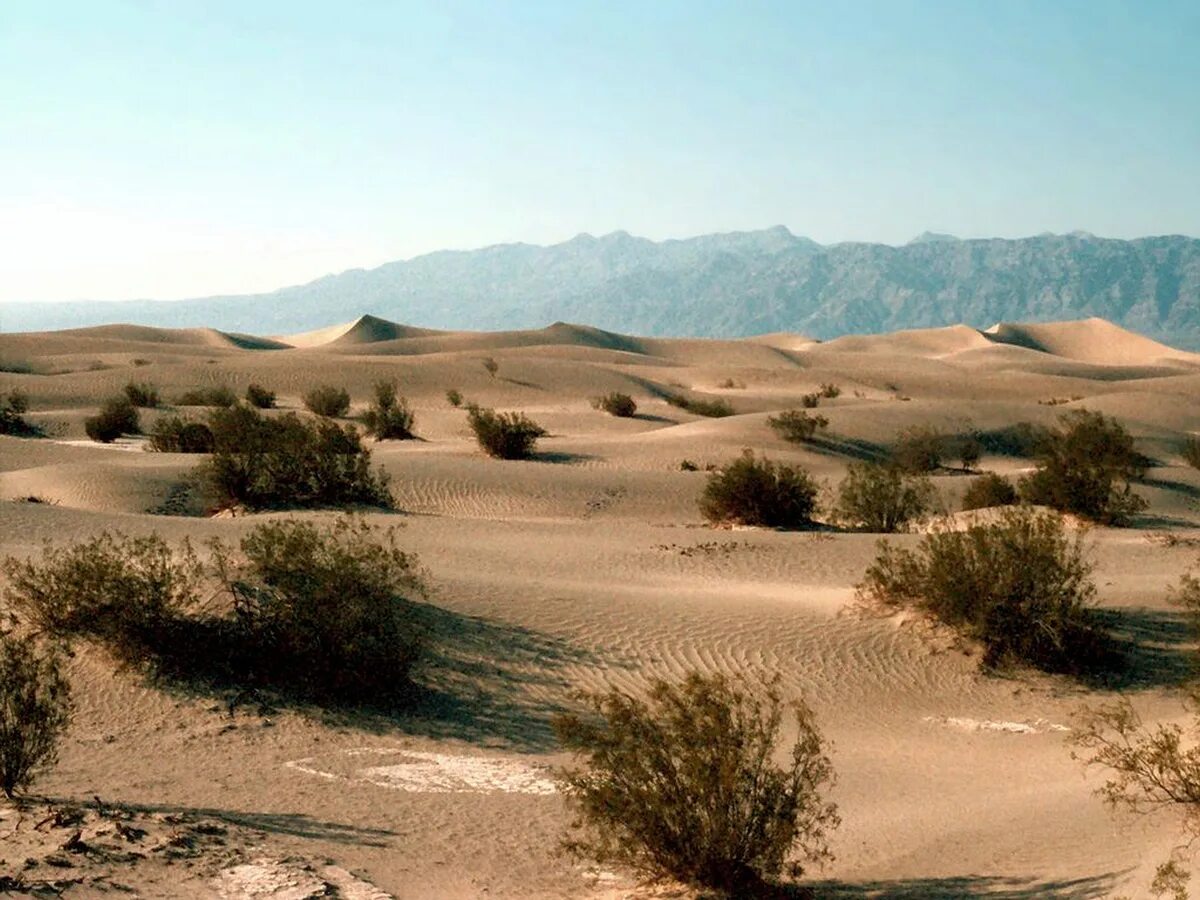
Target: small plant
{"x": 454, "y": 397}
{"x": 753, "y": 491}
{"x": 174, "y": 434}
{"x": 389, "y": 417}
{"x": 143, "y": 395}
{"x": 989, "y": 490}
{"x": 138, "y": 362}
{"x": 687, "y": 465}
{"x": 919, "y": 449}
{"x": 35, "y": 709}
{"x": 116, "y": 417}
{"x": 881, "y": 498}
{"x": 682, "y": 784}
{"x": 796, "y": 425}
{"x": 730, "y": 385}
{"x": 830, "y": 391}
{"x": 328, "y": 401}
{"x": 13, "y": 407}
{"x": 1191, "y": 452}
{"x": 221, "y": 397}
{"x": 510, "y": 435}
{"x": 1021, "y": 587}
{"x": 810, "y": 401}
{"x": 616, "y": 404}
{"x": 491, "y": 366}
{"x": 259, "y": 397}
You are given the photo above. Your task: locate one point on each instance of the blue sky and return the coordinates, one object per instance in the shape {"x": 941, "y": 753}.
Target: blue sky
{"x": 186, "y": 147}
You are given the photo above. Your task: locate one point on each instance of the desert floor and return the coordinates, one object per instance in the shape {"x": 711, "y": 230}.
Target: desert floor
{"x": 591, "y": 567}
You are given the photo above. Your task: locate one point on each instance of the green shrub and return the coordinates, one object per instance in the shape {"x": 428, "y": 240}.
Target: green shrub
{"x": 116, "y": 417}
{"x": 35, "y": 709}
{"x": 616, "y": 404}
{"x": 989, "y": 490}
{"x": 811, "y": 401}
{"x": 796, "y": 425}
{"x": 881, "y": 498}
{"x": 967, "y": 448}
{"x": 830, "y": 391}
{"x": 454, "y": 397}
{"x": 259, "y": 397}
{"x": 174, "y": 434}
{"x": 221, "y": 397}
{"x": 1085, "y": 467}
{"x": 504, "y": 435}
{"x": 753, "y": 491}
{"x": 683, "y": 784}
{"x": 326, "y": 400}
{"x": 144, "y": 395}
{"x": 389, "y": 417}
{"x": 1191, "y": 452}
{"x": 1019, "y": 440}
{"x": 919, "y": 449}
{"x": 13, "y": 407}
{"x": 285, "y": 461}
{"x": 1020, "y": 587}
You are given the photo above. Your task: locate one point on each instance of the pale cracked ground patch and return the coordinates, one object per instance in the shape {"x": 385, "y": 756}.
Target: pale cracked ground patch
{"x": 272, "y": 879}
{"x": 963, "y": 723}
{"x": 429, "y": 773}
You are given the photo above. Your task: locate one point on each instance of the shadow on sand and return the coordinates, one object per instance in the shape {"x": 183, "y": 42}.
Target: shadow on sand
{"x": 951, "y": 888}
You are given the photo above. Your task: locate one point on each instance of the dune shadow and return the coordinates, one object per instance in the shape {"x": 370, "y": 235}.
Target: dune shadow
{"x": 993, "y": 887}
{"x": 1158, "y": 647}
{"x": 561, "y": 457}
{"x": 1191, "y": 491}
{"x": 849, "y": 448}
{"x": 650, "y": 417}
{"x": 519, "y": 383}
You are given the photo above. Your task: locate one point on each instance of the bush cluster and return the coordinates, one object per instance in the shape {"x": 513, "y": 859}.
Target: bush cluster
{"x": 389, "y": 417}
{"x": 830, "y": 391}
{"x": 796, "y": 425}
{"x": 221, "y": 396}
{"x": 811, "y": 401}
{"x": 989, "y": 490}
{"x": 175, "y": 434}
{"x": 759, "y": 491}
{"x": 144, "y": 395}
{"x": 35, "y": 709}
{"x": 117, "y": 416}
{"x": 510, "y": 435}
{"x": 616, "y": 404}
{"x": 881, "y": 498}
{"x": 919, "y": 449}
{"x": 259, "y": 397}
{"x": 328, "y": 401}
{"x": 13, "y": 407}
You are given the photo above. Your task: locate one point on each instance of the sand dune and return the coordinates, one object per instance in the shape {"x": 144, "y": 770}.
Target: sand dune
{"x": 1090, "y": 340}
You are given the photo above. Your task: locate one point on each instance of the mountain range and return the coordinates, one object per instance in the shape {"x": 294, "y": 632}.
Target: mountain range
{"x": 726, "y": 285}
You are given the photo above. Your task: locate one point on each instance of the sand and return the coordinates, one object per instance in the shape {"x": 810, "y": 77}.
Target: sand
{"x": 590, "y": 567}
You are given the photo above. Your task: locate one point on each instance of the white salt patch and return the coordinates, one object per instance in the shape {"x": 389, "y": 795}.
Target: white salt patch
{"x": 436, "y": 773}
{"x": 1037, "y": 726}
{"x": 135, "y": 445}
{"x": 269, "y": 879}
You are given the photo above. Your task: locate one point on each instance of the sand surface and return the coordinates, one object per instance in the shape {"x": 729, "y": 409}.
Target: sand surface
{"x": 590, "y": 567}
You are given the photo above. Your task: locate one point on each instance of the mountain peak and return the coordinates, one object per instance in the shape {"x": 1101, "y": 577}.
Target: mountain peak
{"x": 934, "y": 237}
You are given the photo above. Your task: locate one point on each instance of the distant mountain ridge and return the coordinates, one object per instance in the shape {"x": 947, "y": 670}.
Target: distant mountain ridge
{"x": 718, "y": 285}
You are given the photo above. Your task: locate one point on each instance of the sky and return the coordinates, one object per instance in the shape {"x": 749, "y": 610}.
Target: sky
{"x": 175, "y": 148}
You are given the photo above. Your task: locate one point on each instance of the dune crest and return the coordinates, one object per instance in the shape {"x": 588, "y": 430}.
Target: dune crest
{"x": 1093, "y": 340}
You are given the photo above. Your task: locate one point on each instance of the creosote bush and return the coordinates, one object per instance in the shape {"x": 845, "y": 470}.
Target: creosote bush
{"x": 144, "y": 394}
{"x": 988, "y": 490}
{"x": 491, "y": 366}
{"x": 35, "y": 709}
{"x": 389, "y": 417}
{"x": 811, "y": 401}
{"x": 454, "y": 397}
{"x": 830, "y": 391}
{"x": 1020, "y": 586}
{"x": 919, "y": 449}
{"x": 881, "y": 498}
{"x": 759, "y": 491}
{"x": 259, "y": 397}
{"x": 117, "y": 416}
{"x": 510, "y": 435}
{"x": 220, "y": 396}
{"x": 683, "y": 784}
{"x": 328, "y": 401}
{"x": 175, "y": 434}
{"x": 1085, "y": 467}
{"x": 616, "y": 404}
{"x": 714, "y": 409}
{"x": 13, "y": 407}
{"x": 797, "y": 426}
{"x": 284, "y": 461}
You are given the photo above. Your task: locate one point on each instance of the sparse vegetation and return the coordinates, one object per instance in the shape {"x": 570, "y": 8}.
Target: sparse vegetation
{"x": 1021, "y": 587}
{"x": 811, "y": 401}
{"x": 143, "y": 394}
{"x": 730, "y": 384}
{"x": 989, "y": 490}
{"x": 174, "y": 434}
{"x": 919, "y": 449}
{"x": 616, "y": 404}
{"x": 715, "y": 409}
{"x": 389, "y": 417}
{"x": 328, "y": 401}
{"x": 35, "y": 708}
{"x": 968, "y": 449}
{"x": 881, "y": 498}
{"x": 259, "y": 397}
{"x": 13, "y": 407}
{"x": 117, "y": 417}
{"x": 682, "y": 784}
{"x": 510, "y": 435}
{"x": 796, "y": 425}
{"x": 220, "y": 396}
{"x": 759, "y": 491}
{"x": 830, "y": 391}
{"x": 491, "y": 366}
{"x": 687, "y": 465}
{"x": 454, "y": 397}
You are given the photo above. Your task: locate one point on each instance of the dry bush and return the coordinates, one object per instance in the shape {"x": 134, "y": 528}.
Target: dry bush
{"x": 285, "y": 461}
{"x": 1085, "y": 467}
{"x": 35, "y": 709}
{"x": 830, "y": 391}
{"x": 796, "y": 425}
{"x": 989, "y": 490}
{"x": 754, "y": 491}
{"x": 143, "y": 395}
{"x": 510, "y": 435}
{"x": 491, "y": 366}
{"x": 682, "y": 784}
{"x": 117, "y": 416}
{"x": 389, "y": 417}
{"x": 13, "y": 407}
{"x": 811, "y": 401}
{"x": 259, "y": 397}
{"x": 714, "y": 409}
{"x": 616, "y": 404}
{"x": 454, "y": 397}
{"x": 328, "y": 401}
{"x": 919, "y": 449}
{"x": 881, "y": 498}
{"x": 174, "y": 434}
{"x": 1021, "y": 587}
{"x": 220, "y": 396}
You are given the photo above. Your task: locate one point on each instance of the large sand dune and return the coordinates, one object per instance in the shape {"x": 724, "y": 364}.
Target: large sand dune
{"x": 590, "y": 567}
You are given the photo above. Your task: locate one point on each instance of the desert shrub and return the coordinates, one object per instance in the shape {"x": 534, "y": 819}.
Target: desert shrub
{"x": 13, "y": 407}
{"x": 174, "y": 434}
{"x": 754, "y": 491}
{"x": 326, "y": 400}
{"x": 830, "y": 391}
{"x": 919, "y": 449}
{"x": 454, "y": 397}
{"x": 688, "y": 465}
{"x": 285, "y": 461}
{"x": 811, "y": 401}
{"x": 1020, "y": 586}
{"x": 138, "y": 362}
{"x": 491, "y": 366}
{"x": 35, "y": 708}
{"x": 509, "y": 435}
{"x": 988, "y": 490}
{"x": 259, "y": 397}
{"x": 881, "y": 498}
{"x": 323, "y": 609}
{"x": 682, "y": 784}
{"x": 967, "y": 449}
{"x": 731, "y": 385}
{"x": 1191, "y": 452}
{"x": 714, "y": 409}
{"x": 220, "y": 396}
{"x": 796, "y": 425}
{"x": 144, "y": 394}
{"x": 117, "y": 416}
{"x": 1020, "y": 440}
{"x": 616, "y": 404}
{"x": 1085, "y": 467}
{"x": 389, "y": 416}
